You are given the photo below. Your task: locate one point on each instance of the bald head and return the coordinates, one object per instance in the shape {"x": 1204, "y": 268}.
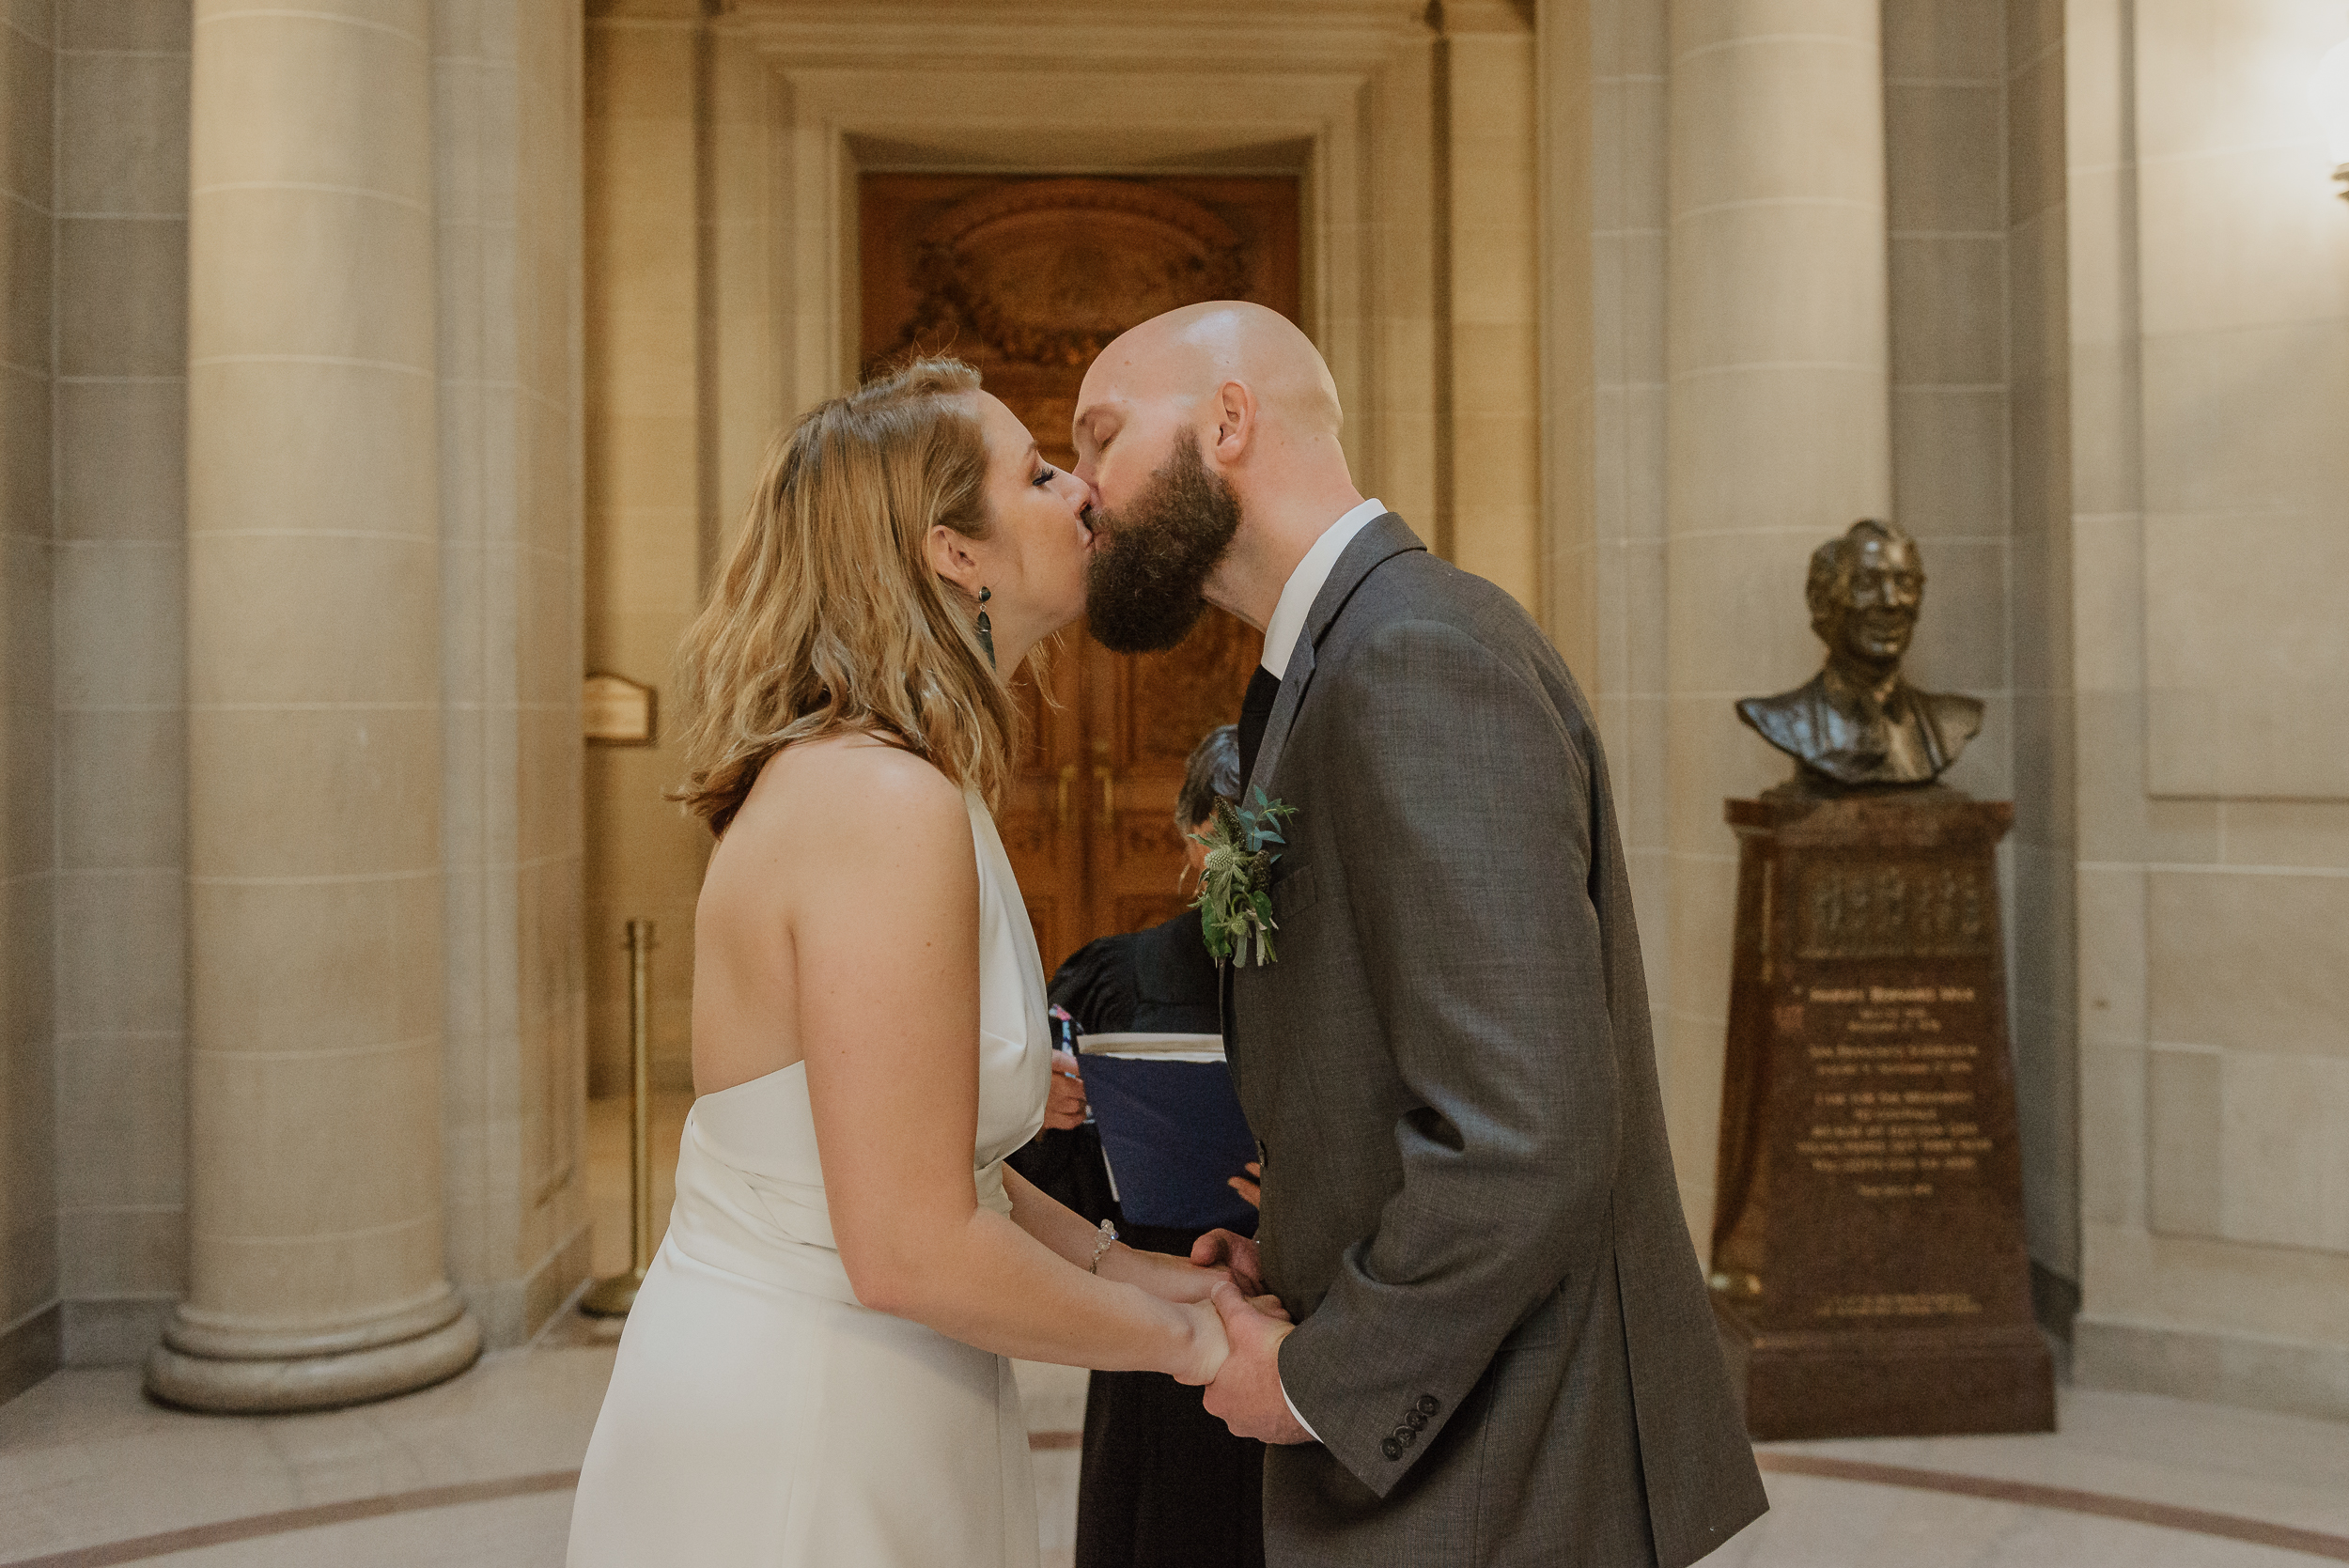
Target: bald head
{"x": 1247, "y": 392}
{"x": 1187, "y": 353}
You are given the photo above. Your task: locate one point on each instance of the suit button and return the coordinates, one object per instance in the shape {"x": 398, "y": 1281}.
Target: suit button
{"x": 1429, "y": 1405}
{"x": 1391, "y": 1448}
{"x": 1415, "y": 1421}
{"x": 1405, "y": 1434}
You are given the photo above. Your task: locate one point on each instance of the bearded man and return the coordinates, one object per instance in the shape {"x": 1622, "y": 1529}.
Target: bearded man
{"x": 1503, "y": 1350}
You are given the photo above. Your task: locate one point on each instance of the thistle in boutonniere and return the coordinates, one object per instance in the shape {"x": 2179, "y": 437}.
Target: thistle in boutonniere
{"x": 1235, "y": 903}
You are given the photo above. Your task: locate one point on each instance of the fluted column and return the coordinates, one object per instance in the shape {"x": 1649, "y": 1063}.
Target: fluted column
{"x": 313, "y": 728}
{"x": 1778, "y": 434}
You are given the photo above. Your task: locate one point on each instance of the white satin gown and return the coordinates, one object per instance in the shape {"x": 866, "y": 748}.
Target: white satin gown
{"x": 757, "y": 1415}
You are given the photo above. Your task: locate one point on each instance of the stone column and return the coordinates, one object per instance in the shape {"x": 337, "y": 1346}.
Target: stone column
{"x": 314, "y": 726}
{"x": 1778, "y": 433}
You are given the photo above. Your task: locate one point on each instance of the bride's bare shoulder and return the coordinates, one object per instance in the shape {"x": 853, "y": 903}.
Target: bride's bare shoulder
{"x": 858, "y": 790}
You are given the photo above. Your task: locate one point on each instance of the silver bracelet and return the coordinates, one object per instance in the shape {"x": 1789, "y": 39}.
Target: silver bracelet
{"x": 1109, "y": 1239}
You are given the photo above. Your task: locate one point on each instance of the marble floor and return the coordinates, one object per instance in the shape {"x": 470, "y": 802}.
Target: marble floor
{"x": 476, "y": 1473}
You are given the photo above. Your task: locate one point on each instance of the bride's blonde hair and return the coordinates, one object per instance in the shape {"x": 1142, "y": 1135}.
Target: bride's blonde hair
{"x": 829, "y": 617}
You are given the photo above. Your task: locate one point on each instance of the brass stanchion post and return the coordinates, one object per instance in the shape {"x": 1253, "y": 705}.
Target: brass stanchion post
{"x": 614, "y": 1296}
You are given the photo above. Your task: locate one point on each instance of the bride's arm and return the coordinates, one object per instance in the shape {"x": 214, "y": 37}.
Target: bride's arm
{"x": 1052, "y": 1222}
{"x": 882, "y": 939}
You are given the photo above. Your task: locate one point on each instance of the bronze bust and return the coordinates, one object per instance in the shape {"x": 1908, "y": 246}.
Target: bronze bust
{"x": 1856, "y": 724}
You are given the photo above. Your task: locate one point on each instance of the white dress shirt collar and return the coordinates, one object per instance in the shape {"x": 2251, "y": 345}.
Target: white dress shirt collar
{"x": 1304, "y": 583}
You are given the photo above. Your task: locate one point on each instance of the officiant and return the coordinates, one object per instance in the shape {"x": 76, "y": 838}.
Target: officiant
{"x": 1163, "y": 1483}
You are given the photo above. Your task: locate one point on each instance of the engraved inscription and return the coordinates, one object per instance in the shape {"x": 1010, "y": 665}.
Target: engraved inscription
{"x": 1853, "y": 910}
{"x": 1901, "y": 1304}
{"x": 1893, "y": 1103}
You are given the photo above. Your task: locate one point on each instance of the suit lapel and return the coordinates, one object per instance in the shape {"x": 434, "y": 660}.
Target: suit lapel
{"x": 1385, "y": 538}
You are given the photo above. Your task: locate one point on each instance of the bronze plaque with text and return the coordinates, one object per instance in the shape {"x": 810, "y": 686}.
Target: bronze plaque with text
{"x": 1868, "y": 1258}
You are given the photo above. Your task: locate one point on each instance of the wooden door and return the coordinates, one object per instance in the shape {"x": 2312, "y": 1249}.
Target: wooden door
{"x": 1027, "y": 279}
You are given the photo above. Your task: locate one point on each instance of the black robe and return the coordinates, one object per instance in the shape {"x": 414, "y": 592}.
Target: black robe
{"x": 1164, "y": 1484}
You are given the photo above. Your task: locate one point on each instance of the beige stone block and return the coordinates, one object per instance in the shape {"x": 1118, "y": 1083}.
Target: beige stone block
{"x": 2216, "y": 72}
{"x": 123, "y": 1251}
{"x": 123, "y": 128}
{"x": 2224, "y": 1287}
{"x": 1948, "y": 309}
{"x": 142, "y": 25}
{"x": 1750, "y": 451}
{"x": 2038, "y": 314}
{"x": 2113, "y": 1164}
{"x": 2107, "y": 604}
{"x": 2232, "y": 239}
{"x": 1493, "y": 268}
{"x": 120, "y": 631}
{"x": 2242, "y": 696}
{"x": 1706, "y": 24}
{"x": 1779, "y": 117}
{"x": 1942, "y": 155}
{"x": 122, "y": 1121}
{"x": 1962, "y": 634}
{"x": 282, "y": 969}
{"x": 2183, "y": 1141}
{"x": 27, "y": 117}
{"x": 279, "y": 618}
{"x": 1948, "y": 461}
{"x": 28, "y": 836}
{"x": 2036, "y": 129}
{"x": 1986, "y": 770}
{"x": 650, "y": 565}
{"x": 1945, "y": 40}
{"x": 122, "y": 460}
{"x": 2033, "y": 28}
{"x": 2248, "y": 961}
{"x": 332, "y": 449}
{"x": 1738, "y": 626}
{"x": 314, "y": 274}
{"x": 642, "y": 360}
{"x": 121, "y": 958}
{"x": 323, "y": 1280}
{"x": 640, "y": 75}
{"x": 25, "y": 445}
{"x": 2308, "y": 833}
{"x": 339, "y": 97}
{"x": 35, "y": 19}
{"x": 333, "y": 1140}
{"x": 2117, "y": 821}
{"x": 553, "y": 783}
{"x": 1779, "y": 283}
{"x": 125, "y": 312}
{"x": 27, "y": 242}
{"x": 122, "y": 782}
{"x": 2282, "y": 1180}
{"x": 1496, "y": 371}
{"x": 314, "y": 793}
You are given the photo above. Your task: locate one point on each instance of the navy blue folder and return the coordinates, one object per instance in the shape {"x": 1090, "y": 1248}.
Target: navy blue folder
{"x": 1170, "y": 1128}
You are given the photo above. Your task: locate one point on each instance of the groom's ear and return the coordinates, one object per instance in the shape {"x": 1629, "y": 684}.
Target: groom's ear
{"x": 1234, "y": 422}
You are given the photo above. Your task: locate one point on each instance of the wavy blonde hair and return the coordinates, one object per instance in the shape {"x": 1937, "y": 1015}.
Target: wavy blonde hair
{"x": 829, "y": 617}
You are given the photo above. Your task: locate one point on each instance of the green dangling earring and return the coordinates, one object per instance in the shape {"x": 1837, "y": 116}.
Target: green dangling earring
{"x": 986, "y": 627}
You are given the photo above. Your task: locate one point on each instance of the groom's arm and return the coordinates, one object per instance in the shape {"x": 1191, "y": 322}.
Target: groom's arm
{"x": 1467, "y": 832}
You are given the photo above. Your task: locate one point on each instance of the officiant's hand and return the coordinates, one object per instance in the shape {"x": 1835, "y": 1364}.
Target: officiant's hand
{"x": 1235, "y": 1252}
{"x": 1245, "y": 1394}
{"x": 1064, "y": 1105}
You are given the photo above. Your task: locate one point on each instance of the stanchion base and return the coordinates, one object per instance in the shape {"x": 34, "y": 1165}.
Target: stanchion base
{"x": 612, "y": 1297}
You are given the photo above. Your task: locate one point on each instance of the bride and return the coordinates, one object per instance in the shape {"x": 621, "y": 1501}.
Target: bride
{"x": 814, "y": 1372}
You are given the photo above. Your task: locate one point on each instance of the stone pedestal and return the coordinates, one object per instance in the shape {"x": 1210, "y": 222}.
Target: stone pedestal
{"x": 1868, "y": 1270}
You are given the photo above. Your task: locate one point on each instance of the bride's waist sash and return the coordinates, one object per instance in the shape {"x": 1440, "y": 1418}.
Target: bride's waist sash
{"x": 757, "y": 1221}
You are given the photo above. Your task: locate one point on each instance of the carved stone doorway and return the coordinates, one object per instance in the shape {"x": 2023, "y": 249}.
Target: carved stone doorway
{"x": 1027, "y": 278}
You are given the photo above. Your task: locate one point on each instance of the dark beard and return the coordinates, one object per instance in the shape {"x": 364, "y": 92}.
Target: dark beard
{"x": 1150, "y": 561}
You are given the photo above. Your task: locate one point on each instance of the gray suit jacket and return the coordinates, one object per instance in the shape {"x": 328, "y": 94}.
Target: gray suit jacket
{"x": 1504, "y": 1339}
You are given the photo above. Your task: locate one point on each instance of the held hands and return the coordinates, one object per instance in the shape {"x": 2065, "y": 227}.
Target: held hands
{"x": 1207, "y": 1346}
{"x": 1246, "y": 1391}
{"x": 1235, "y": 1254}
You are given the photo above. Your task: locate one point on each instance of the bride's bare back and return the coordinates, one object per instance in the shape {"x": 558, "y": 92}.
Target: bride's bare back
{"x": 841, "y": 902}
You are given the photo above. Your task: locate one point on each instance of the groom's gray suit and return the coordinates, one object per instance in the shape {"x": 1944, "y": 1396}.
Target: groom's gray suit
{"x": 1504, "y": 1342}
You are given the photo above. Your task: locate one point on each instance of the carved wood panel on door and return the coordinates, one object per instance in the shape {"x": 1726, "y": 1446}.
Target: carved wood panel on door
{"x": 1028, "y": 278}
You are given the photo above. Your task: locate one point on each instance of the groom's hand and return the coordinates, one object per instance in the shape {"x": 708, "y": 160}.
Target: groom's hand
{"x": 1245, "y": 1394}
{"x": 1226, "y": 1249}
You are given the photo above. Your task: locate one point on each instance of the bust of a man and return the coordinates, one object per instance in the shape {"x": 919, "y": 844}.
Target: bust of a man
{"x": 1857, "y": 723}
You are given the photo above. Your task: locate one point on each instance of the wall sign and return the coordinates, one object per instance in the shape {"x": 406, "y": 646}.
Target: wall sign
{"x": 614, "y": 710}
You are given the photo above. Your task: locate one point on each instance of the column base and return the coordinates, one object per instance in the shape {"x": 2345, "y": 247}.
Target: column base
{"x": 199, "y": 1366}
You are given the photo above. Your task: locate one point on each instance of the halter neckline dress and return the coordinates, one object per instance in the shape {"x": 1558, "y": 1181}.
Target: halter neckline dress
{"x": 758, "y": 1416}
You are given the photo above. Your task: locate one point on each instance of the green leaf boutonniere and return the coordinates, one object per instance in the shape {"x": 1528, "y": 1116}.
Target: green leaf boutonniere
{"x": 1235, "y": 904}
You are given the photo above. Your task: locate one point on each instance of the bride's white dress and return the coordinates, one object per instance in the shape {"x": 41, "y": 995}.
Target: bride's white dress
{"x": 758, "y": 1415}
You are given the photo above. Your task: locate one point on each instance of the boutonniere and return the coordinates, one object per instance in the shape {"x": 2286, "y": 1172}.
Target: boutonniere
{"x": 1235, "y": 904}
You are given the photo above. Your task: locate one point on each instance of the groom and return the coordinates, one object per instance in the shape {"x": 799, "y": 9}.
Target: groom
{"x": 1502, "y": 1351}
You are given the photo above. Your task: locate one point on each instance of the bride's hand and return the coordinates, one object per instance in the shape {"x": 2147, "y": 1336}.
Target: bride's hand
{"x": 1207, "y": 1346}
{"x": 1168, "y": 1279}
